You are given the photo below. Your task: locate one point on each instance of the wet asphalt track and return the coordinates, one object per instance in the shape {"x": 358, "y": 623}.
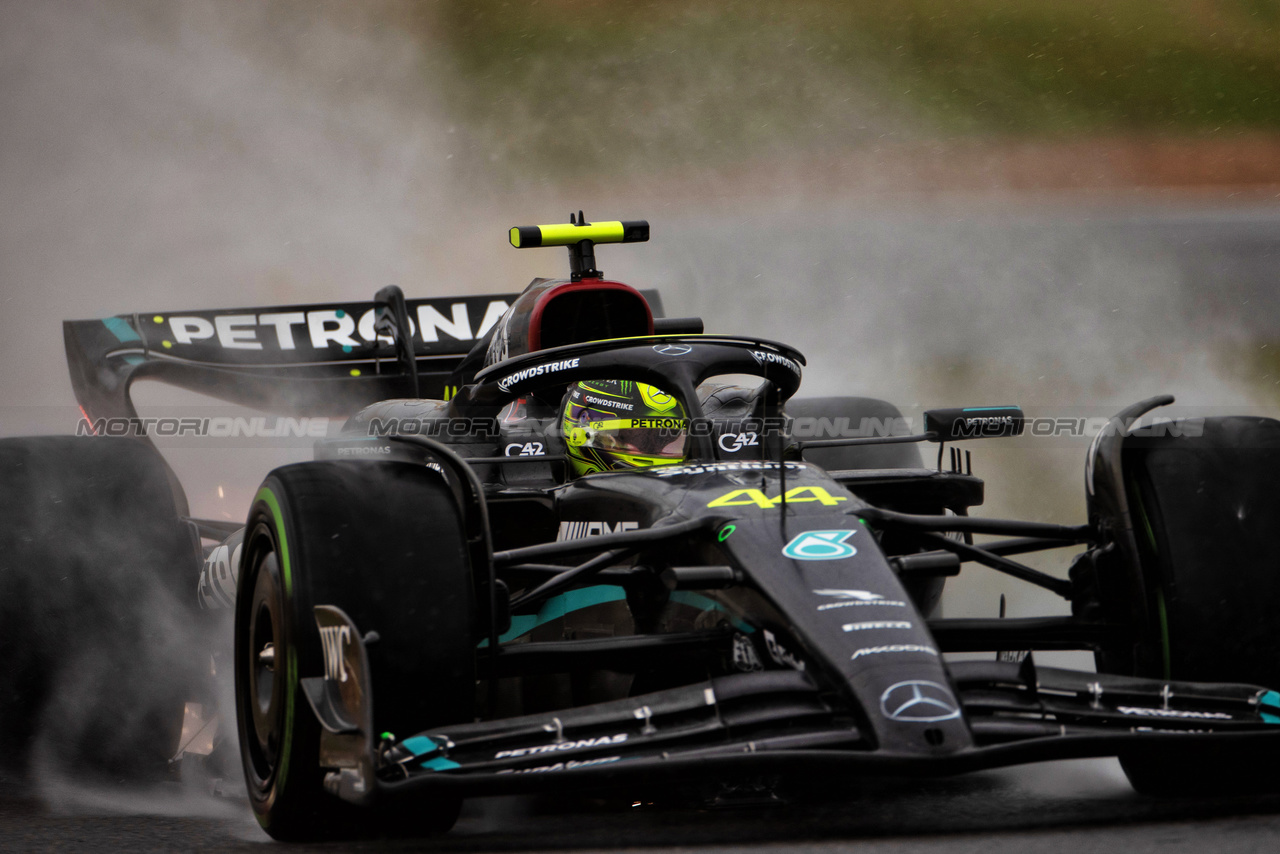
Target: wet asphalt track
{"x": 1077, "y": 806}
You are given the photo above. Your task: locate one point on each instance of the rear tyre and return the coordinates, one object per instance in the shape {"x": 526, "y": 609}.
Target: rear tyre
{"x": 1204, "y": 510}
{"x": 99, "y": 636}
{"x": 384, "y": 542}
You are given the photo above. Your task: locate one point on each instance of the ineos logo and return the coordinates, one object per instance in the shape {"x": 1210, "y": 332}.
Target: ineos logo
{"x": 672, "y": 349}
{"x": 918, "y": 701}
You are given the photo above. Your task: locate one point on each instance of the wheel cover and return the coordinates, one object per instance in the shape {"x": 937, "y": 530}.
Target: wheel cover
{"x": 266, "y": 685}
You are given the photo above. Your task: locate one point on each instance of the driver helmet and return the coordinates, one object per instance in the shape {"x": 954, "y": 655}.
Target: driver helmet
{"x": 612, "y": 425}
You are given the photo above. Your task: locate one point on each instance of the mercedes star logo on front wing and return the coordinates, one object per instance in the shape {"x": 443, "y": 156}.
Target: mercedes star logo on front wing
{"x": 919, "y": 701}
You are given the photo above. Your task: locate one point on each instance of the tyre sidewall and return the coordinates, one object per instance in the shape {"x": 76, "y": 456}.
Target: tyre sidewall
{"x": 289, "y": 799}
{"x": 383, "y": 542}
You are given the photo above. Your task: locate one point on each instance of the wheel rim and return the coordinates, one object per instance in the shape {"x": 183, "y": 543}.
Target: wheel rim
{"x": 266, "y": 684}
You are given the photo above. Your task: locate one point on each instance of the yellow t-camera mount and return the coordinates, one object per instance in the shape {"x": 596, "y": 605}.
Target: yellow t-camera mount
{"x": 580, "y": 237}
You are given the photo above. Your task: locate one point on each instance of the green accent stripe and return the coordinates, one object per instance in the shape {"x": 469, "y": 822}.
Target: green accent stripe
{"x": 1142, "y": 514}
{"x": 291, "y": 683}
{"x": 120, "y": 328}
{"x": 1164, "y": 633}
{"x": 1161, "y": 609}
{"x": 266, "y": 495}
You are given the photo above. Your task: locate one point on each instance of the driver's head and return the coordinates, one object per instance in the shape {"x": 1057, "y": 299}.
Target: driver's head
{"x": 619, "y": 424}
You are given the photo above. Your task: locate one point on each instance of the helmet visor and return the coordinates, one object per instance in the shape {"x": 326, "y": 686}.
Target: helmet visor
{"x": 653, "y": 437}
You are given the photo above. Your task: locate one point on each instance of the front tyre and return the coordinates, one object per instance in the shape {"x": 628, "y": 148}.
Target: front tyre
{"x": 279, "y": 737}
{"x": 383, "y": 542}
{"x": 1204, "y": 506}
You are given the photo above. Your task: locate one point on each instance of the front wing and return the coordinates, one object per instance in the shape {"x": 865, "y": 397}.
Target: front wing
{"x": 771, "y": 721}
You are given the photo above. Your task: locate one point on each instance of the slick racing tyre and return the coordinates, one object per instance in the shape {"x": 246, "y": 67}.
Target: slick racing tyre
{"x": 1204, "y": 510}
{"x": 845, "y": 417}
{"x": 99, "y": 632}
{"x": 384, "y": 542}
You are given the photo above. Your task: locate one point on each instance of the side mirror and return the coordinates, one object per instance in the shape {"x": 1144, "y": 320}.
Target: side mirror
{"x": 974, "y": 422}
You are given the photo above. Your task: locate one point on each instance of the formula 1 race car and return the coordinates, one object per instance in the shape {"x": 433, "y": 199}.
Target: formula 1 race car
{"x": 581, "y": 546}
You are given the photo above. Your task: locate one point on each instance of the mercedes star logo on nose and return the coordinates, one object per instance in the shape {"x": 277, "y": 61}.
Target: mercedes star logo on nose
{"x": 918, "y": 701}
{"x": 671, "y": 349}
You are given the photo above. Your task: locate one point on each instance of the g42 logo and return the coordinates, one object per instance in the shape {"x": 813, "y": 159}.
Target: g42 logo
{"x": 798, "y": 495}
{"x": 527, "y": 449}
{"x": 734, "y": 442}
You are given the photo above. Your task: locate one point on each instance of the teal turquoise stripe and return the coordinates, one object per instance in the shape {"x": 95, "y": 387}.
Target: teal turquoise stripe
{"x": 440, "y": 764}
{"x": 985, "y": 408}
{"x": 1272, "y": 699}
{"x": 705, "y": 603}
{"x": 125, "y": 334}
{"x": 121, "y": 329}
{"x": 575, "y": 600}
{"x": 557, "y": 606}
{"x": 420, "y": 745}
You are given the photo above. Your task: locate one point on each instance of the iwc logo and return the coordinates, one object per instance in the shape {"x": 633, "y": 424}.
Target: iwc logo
{"x": 919, "y": 701}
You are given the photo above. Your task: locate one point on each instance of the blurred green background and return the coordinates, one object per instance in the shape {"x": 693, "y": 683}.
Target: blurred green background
{"x": 554, "y": 87}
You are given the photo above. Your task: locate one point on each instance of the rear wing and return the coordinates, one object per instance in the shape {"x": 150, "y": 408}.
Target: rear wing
{"x": 299, "y": 360}
{"x": 320, "y": 359}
